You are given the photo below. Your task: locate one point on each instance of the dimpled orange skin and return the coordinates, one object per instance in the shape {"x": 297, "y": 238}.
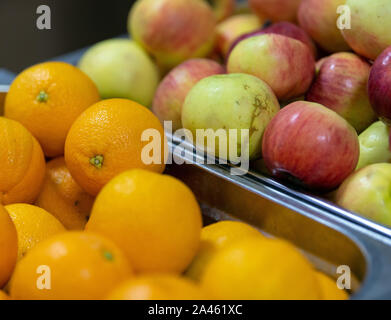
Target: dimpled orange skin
{"x": 214, "y": 238}
{"x": 8, "y": 246}
{"x": 261, "y": 269}
{"x": 47, "y": 98}
{"x": 63, "y": 197}
{"x": 33, "y": 225}
{"x": 157, "y": 287}
{"x": 22, "y": 163}
{"x": 109, "y": 132}
{"x": 155, "y": 219}
{"x": 82, "y": 266}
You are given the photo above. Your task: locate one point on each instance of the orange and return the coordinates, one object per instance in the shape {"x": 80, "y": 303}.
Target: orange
{"x": 72, "y": 265}
{"x": 33, "y": 225}
{"x": 258, "y": 269}
{"x": 157, "y": 287}
{"x": 329, "y": 289}
{"x": 3, "y": 295}
{"x": 22, "y": 163}
{"x": 216, "y": 237}
{"x": 106, "y": 140}
{"x": 155, "y": 219}
{"x": 47, "y": 98}
{"x": 8, "y": 246}
{"x": 63, "y": 197}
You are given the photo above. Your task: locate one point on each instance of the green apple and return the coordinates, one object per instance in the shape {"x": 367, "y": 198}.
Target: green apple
{"x": 370, "y": 28}
{"x": 121, "y": 69}
{"x": 367, "y": 192}
{"x": 374, "y": 145}
{"x": 232, "y": 101}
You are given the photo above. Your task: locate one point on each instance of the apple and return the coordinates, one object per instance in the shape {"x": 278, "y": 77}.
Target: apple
{"x": 231, "y": 101}
{"x": 282, "y": 28}
{"x": 232, "y": 28}
{"x": 173, "y": 30}
{"x": 319, "y": 19}
{"x": 276, "y": 10}
{"x": 172, "y": 91}
{"x": 367, "y": 192}
{"x": 379, "y": 85}
{"x": 285, "y": 64}
{"x": 121, "y": 69}
{"x": 319, "y": 64}
{"x": 310, "y": 145}
{"x": 370, "y": 28}
{"x": 341, "y": 85}
{"x": 374, "y": 145}
{"x": 222, "y": 8}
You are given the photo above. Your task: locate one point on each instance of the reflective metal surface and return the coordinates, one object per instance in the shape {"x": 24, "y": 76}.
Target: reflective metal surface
{"x": 3, "y": 92}
{"x": 328, "y": 239}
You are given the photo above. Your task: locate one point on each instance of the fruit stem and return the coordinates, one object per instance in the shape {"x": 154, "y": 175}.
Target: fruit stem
{"x": 108, "y": 255}
{"x": 42, "y": 96}
{"x": 97, "y": 161}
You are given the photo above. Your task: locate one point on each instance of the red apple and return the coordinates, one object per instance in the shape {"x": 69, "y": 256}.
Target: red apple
{"x": 379, "y": 86}
{"x": 172, "y": 91}
{"x": 311, "y": 145}
{"x": 341, "y": 85}
{"x": 285, "y": 64}
{"x": 319, "y": 19}
{"x": 173, "y": 30}
{"x": 276, "y": 10}
{"x": 282, "y": 28}
{"x": 233, "y": 27}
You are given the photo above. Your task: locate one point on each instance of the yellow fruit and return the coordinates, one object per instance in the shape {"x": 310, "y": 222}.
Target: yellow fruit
{"x": 76, "y": 265}
{"x": 329, "y": 289}
{"x": 47, "y": 98}
{"x": 157, "y": 287}
{"x": 63, "y": 197}
{"x": 8, "y": 246}
{"x": 22, "y": 163}
{"x": 3, "y": 295}
{"x": 155, "y": 219}
{"x": 106, "y": 140}
{"x": 258, "y": 269}
{"x": 33, "y": 225}
{"x": 216, "y": 237}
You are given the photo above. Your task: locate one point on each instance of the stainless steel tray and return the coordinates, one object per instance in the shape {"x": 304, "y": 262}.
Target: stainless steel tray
{"x": 328, "y": 239}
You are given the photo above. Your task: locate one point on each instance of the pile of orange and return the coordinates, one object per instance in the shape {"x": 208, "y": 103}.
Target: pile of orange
{"x": 97, "y": 219}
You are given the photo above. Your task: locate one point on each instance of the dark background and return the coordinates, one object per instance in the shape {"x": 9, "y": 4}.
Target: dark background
{"x": 75, "y": 24}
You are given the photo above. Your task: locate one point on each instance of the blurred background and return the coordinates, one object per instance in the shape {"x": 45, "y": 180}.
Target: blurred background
{"x": 75, "y": 24}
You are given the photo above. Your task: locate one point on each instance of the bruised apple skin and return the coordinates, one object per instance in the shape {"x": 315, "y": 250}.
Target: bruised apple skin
{"x": 173, "y": 30}
{"x": 319, "y": 19}
{"x": 172, "y": 91}
{"x": 379, "y": 86}
{"x": 374, "y": 145}
{"x": 232, "y": 101}
{"x": 341, "y": 85}
{"x": 310, "y": 145}
{"x": 232, "y": 28}
{"x": 366, "y": 192}
{"x": 276, "y": 10}
{"x": 285, "y": 64}
{"x": 370, "y": 28}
